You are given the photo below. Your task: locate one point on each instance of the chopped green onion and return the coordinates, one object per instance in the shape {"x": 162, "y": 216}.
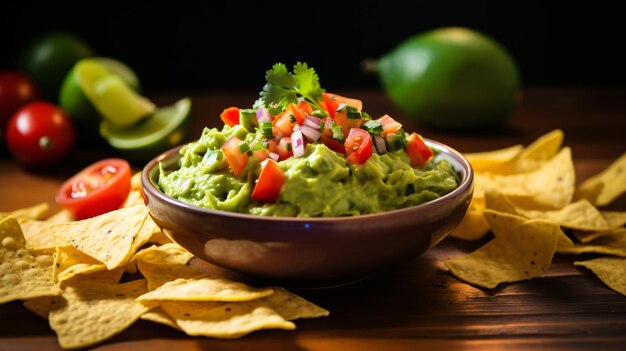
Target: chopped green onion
{"x": 319, "y": 114}
{"x": 366, "y": 115}
{"x": 244, "y": 147}
{"x": 396, "y": 141}
{"x": 353, "y": 113}
{"x": 373, "y": 127}
{"x": 258, "y": 146}
{"x": 247, "y": 119}
{"x": 266, "y": 129}
{"x": 337, "y": 133}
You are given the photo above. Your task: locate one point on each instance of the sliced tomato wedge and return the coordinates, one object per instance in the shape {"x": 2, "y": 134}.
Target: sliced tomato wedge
{"x": 358, "y": 146}
{"x": 390, "y": 125}
{"x": 333, "y": 101}
{"x": 418, "y": 151}
{"x": 270, "y": 182}
{"x": 100, "y": 188}
{"x": 236, "y": 159}
{"x": 230, "y": 116}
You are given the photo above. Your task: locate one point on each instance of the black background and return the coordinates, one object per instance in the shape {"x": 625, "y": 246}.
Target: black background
{"x": 188, "y": 45}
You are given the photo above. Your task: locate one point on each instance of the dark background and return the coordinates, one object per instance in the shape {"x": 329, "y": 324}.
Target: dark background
{"x": 187, "y": 45}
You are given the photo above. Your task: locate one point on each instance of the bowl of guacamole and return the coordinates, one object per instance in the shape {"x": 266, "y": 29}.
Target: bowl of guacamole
{"x": 305, "y": 187}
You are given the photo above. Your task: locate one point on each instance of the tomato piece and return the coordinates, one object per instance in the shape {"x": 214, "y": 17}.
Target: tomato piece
{"x": 390, "y": 125}
{"x": 272, "y": 144}
{"x": 297, "y": 112}
{"x": 305, "y": 106}
{"x": 418, "y": 151}
{"x": 15, "y": 91}
{"x": 270, "y": 182}
{"x": 40, "y": 134}
{"x": 236, "y": 159}
{"x": 261, "y": 154}
{"x": 342, "y": 120}
{"x": 99, "y": 188}
{"x": 333, "y": 101}
{"x": 284, "y": 149}
{"x": 284, "y": 123}
{"x": 358, "y": 146}
{"x": 230, "y": 116}
{"x": 329, "y": 140}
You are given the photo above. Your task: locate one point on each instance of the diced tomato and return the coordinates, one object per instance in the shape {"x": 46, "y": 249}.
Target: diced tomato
{"x": 283, "y": 124}
{"x": 261, "y": 154}
{"x": 342, "y": 120}
{"x": 358, "y": 146}
{"x": 230, "y": 116}
{"x": 284, "y": 149}
{"x": 333, "y": 101}
{"x": 418, "y": 151}
{"x": 269, "y": 184}
{"x": 306, "y": 107}
{"x": 390, "y": 125}
{"x": 328, "y": 140}
{"x": 272, "y": 144}
{"x": 236, "y": 159}
{"x": 298, "y": 113}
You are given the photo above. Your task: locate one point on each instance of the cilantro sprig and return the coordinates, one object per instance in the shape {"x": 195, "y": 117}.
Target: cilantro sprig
{"x": 283, "y": 87}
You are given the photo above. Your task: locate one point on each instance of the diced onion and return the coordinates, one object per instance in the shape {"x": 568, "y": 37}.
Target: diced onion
{"x": 381, "y": 148}
{"x": 311, "y": 134}
{"x": 297, "y": 143}
{"x": 274, "y": 156}
{"x": 262, "y": 115}
{"x": 296, "y": 128}
{"x": 312, "y": 122}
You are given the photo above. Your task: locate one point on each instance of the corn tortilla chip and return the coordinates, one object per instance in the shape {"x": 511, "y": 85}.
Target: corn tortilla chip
{"x": 162, "y": 264}
{"x": 134, "y": 198}
{"x": 69, "y": 262}
{"x": 157, "y": 315}
{"x": 33, "y": 212}
{"x": 606, "y": 186}
{"x": 205, "y": 289}
{"x": 587, "y": 237}
{"x": 91, "y": 313}
{"x": 614, "y": 245}
{"x": 614, "y": 219}
{"x": 292, "y": 306}
{"x": 522, "y": 249}
{"x": 135, "y": 181}
{"x": 37, "y": 235}
{"x": 472, "y": 227}
{"x": 42, "y": 306}
{"x": 538, "y": 152}
{"x": 22, "y": 276}
{"x": 610, "y": 270}
{"x": 107, "y": 238}
{"x": 497, "y": 161}
{"x": 148, "y": 230}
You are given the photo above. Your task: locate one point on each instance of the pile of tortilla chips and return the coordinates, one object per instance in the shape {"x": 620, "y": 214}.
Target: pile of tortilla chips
{"x": 528, "y": 198}
{"x": 94, "y": 278}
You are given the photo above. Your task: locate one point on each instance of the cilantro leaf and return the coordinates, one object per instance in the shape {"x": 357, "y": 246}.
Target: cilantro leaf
{"x": 308, "y": 82}
{"x": 337, "y": 133}
{"x": 283, "y": 87}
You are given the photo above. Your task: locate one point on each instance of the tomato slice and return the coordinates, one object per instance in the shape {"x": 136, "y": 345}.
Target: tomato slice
{"x": 390, "y": 125}
{"x": 358, "y": 146}
{"x": 230, "y": 116}
{"x": 100, "y": 188}
{"x": 418, "y": 151}
{"x": 271, "y": 180}
{"x": 333, "y": 101}
{"x": 236, "y": 159}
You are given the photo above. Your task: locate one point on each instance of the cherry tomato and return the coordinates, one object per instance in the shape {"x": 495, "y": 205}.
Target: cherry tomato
{"x": 39, "y": 134}
{"x": 97, "y": 189}
{"x": 267, "y": 188}
{"x": 15, "y": 91}
{"x": 358, "y": 146}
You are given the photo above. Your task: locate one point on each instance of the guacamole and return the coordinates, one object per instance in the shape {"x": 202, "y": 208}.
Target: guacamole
{"x": 301, "y": 151}
{"x": 321, "y": 183}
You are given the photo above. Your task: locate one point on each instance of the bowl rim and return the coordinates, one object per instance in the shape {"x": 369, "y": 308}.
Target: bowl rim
{"x": 465, "y": 185}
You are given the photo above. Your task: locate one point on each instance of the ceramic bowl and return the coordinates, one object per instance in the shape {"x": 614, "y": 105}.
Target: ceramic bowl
{"x": 308, "y": 251}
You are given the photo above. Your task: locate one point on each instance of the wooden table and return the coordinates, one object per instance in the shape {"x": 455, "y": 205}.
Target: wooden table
{"x": 417, "y": 305}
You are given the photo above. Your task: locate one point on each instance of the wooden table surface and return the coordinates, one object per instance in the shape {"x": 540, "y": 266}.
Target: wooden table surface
{"x": 417, "y": 305}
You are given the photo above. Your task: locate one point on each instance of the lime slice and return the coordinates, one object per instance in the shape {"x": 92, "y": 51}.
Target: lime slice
{"x": 166, "y": 128}
{"x": 118, "y": 68}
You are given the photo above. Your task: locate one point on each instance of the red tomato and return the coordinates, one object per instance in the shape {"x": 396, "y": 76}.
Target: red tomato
{"x": 305, "y": 106}
{"x": 39, "y": 133}
{"x": 271, "y": 180}
{"x": 283, "y": 124}
{"x": 358, "y": 146}
{"x": 333, "y": 101}
{"x": 230, "y": 116}
{"x": 15, "y": 91}
{"x": 417, "y": 150}
{"x": 236, "y": 159}
{"x": 342, "y": 120}
{"x": 284, "y": 149}
{"x": 390, "y": 125}
{"x": 328, "y": 140}
{"x": 298, "y": 113}
{"x": 97, "y": 189}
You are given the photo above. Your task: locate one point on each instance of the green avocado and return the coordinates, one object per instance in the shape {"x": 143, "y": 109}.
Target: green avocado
{"x": 319, "y": 184}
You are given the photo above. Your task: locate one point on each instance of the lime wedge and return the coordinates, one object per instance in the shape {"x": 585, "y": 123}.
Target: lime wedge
{"x": 115, "y": 100}
{"x": 166, "y": 128}
{"x": 118, "y": 68}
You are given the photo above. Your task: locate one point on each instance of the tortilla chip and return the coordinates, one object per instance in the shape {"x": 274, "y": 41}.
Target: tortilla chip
{"x": 134, "y": 198}
{"x": 162, "y": 264}
{"x": 107, "y": 238}
{"x": 614, "y": 219}
{"x": 522, "y": 249}
{"x": 497, "y": 161}
{"x": 225, "y": 320}
{"x": 614, "y": 245}
{"x": 148, "y": 230}
{"x": 33, "y": 212}
{"x": 91, "y": 313}
{"x": 61, "y": 217}
{"x": 205, "y": 289}
{"x": 37, "y": 235}
{"x": 606, "y": 186}
{"x": 587, "y": 237}
{"x": 472, "y": 227}
{"x": 157, "y": 315}
{"x": 22, "y": 276}
{"x": 69, "y": 262}
{"x": 538, "y": 152}
{"x": 292, "y": 306}
{"x": 135, "y": 181}
{"x": 610, "y": 270}
{"x": 42, "y": 306}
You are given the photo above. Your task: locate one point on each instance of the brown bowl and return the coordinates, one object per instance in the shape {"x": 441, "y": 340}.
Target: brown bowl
{"x": 305, "y": 252}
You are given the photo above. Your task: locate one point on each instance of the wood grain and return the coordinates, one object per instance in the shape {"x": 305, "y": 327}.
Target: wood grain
{"x": 416, "y": 305}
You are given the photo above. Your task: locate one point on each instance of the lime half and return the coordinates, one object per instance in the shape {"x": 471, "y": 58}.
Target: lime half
{"x": 164, "y": 129}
